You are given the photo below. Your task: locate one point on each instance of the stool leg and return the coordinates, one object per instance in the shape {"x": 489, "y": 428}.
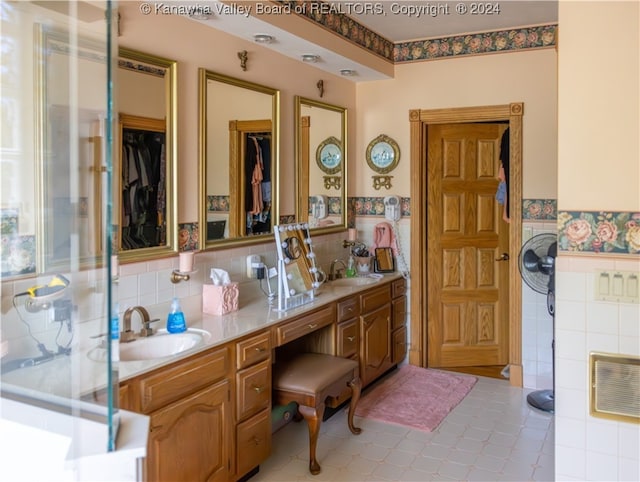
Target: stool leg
{"x": 313, "y": 416}
{"x": 356, "y": 387}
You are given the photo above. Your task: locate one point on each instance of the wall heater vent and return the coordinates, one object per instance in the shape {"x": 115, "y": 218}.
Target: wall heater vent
{"x": 615, "y": 387}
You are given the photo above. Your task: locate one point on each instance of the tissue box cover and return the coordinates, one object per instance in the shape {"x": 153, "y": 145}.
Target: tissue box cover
{"x": 220, "y": 299}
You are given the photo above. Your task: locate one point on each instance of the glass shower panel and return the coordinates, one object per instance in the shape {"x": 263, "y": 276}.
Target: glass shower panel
{"x": 59, "y": 290}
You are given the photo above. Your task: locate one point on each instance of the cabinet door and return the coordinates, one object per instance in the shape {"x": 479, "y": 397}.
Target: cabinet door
{"x": 375, "y": 349}
{"x": 399, "y": 345}
{"x": 191, "y": 439}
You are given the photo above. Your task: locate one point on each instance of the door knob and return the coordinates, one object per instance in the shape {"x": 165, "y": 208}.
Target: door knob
{"x": 504, "y": 257}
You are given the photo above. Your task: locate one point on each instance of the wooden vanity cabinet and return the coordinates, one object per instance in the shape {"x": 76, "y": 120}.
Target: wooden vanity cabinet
{"x": 375, "y": 333}
{"x": 253, "y": 402}
{"x": 348, "y": 328}
{"x": 398, "y": 321}
{"x": 189, "y": 403}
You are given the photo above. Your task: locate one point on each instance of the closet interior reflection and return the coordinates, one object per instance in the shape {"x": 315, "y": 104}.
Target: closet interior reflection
{"x": 146, "y": 141}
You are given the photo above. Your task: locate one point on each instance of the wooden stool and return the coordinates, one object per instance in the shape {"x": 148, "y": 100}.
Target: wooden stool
{"x": 308, "y": 379}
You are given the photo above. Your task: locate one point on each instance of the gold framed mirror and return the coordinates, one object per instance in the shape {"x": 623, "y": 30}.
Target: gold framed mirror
{"x": 321, "y": 164}
{"x": 71, "y": 176}
{"x": 146, "y": 149}
{"x": 238, "y": 160}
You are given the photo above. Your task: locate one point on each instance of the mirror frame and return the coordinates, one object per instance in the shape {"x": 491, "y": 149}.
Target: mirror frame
{"x": 204, "y": 75}
{"x": 303, "y": 166}
{"x": 46, "y": 37}
{"x": 171, "y": 159}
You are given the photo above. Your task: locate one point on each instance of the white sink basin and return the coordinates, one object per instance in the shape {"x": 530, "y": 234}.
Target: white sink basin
{"x": 162, "y": 344}
{"x": 351, "y": 282}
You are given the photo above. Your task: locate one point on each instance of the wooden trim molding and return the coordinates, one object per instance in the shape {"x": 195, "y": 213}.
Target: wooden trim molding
{"x": 419, "y": 120}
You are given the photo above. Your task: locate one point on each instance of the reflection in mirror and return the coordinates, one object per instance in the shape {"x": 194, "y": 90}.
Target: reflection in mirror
{"x": 321, "y": 135}
{"x": 146, "y": 182}
{"x": 238, "y": 159}
{"x": 72, "y": 180}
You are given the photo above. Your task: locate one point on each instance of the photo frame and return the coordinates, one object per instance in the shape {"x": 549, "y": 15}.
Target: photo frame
{"x": 384, "y": 261}
{"x": 383, "y": 154}
{"x": 329, "y": 155}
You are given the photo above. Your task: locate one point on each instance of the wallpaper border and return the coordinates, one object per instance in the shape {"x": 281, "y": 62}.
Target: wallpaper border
{"x": 334, "y": 18}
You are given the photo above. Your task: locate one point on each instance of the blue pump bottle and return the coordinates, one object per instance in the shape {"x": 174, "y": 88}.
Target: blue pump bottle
{"x": 175, "y": 321}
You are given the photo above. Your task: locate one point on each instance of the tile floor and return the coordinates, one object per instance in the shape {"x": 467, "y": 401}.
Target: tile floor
{"x": 492, "y": 435}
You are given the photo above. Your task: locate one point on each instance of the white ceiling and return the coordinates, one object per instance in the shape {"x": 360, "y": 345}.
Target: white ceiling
{"x": 393, "y": 20}
{"x": 403, "y": 20}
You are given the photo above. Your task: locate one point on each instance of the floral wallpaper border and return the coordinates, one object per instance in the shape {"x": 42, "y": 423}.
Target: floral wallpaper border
{"x": 334, "y": 17}
{"x": 599, "y": 232}
{"x": 473, "y": 44}
{"x": 539, "y": 209}
{"x": 218, "y": 203}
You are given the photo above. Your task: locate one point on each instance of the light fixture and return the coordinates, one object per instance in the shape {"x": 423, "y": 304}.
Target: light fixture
{"x": 310, "y": 58}
{"x": 347, "y": 72}
{"x": 263, "y": 38}
{"x": 201, "y": 13}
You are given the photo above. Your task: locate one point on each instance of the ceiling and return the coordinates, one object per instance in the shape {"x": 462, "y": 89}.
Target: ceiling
{"x": 396, "y": 21}
{"x": 402, "y": 21}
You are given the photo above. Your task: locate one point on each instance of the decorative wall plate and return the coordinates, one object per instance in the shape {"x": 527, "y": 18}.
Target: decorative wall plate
{"x": 329, "y": 155}
{"x": 383, "y": 154}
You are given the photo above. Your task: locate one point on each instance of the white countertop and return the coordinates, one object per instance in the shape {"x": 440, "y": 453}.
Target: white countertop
{"x": 254, "y": 314}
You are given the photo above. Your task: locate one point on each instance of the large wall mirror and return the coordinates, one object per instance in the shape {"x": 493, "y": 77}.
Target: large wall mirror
{"x": 144, "y": 201}
{"x": 321, "y": 164}
{"x": 145, "y": 180}
{"x": 71, "y": 180}
{"x": 238, "y": 160}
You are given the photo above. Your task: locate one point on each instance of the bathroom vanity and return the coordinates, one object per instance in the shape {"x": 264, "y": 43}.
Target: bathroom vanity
{"x": 210, "y": 410}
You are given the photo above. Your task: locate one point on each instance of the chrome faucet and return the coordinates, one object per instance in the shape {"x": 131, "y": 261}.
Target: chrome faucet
{"x": 335, "y": 274}
{"x": 127, "y": 335}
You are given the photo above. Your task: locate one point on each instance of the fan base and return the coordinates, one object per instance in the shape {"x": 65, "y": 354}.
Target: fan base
{"x": 542, "y": 400}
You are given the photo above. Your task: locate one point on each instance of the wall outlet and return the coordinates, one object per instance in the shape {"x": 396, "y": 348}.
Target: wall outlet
{"x": 253, "y": 261}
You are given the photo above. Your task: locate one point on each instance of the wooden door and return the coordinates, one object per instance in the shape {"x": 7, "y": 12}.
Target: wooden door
{"x": 176, "y": 450}
{"x": 467, "y": 286}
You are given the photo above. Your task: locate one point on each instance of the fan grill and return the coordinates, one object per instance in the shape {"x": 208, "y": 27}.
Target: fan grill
{"x": 535, "y": 261}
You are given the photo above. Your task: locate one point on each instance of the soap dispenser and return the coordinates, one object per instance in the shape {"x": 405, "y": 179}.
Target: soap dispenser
{"x": 351, "y": 267}
{"x": 175, "y": 321}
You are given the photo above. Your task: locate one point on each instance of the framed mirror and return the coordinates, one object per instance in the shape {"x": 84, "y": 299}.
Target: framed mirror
{"x": 321, "y": 164}
{"x": 239, "y": 141}
{"x": 71, "y": 176}
{"x": 146, "y": 150}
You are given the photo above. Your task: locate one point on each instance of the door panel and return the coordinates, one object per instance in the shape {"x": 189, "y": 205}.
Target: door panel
{"x": 467, "y": 288}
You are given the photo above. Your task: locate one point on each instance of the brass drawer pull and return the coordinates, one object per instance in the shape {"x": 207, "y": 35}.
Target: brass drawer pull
{"x": 351, "y": 338}
{"x": 312, "y": 325}
{"x": 260, "y": 349}
{"x": 258, "y": 389}
{"x": 256, "y": 440}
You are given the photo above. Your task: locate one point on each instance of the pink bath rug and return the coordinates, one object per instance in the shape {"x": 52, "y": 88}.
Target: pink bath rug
{"x": 415, "y": 397}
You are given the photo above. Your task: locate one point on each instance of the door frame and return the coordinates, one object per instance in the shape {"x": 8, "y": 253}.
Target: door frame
{"x": 419, "y": 120}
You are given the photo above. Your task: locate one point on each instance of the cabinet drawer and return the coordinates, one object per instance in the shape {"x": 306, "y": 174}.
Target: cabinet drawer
{"x": 348, "y": 338}
{"x": 348, "y": 308}
{"x": 398, "y": 288}
{"x": 399, "y": 313}
{"x": 305, "y": 324}
{"x": 374, "y": 298}
{"x": 181, "y": 379}
{"x": 253, "y": 442}
{"x": 253, "y": 386}
{"x": 253, "y": 350}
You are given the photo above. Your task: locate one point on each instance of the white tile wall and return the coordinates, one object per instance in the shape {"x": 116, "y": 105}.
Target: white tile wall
{"x": 537, "y": 324}
{"x": 590, "y": 448}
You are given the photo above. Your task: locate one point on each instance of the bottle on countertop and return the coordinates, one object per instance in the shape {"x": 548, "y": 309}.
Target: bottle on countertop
{"x": 351, "y": 268}
{"x": 175, "y": 320}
